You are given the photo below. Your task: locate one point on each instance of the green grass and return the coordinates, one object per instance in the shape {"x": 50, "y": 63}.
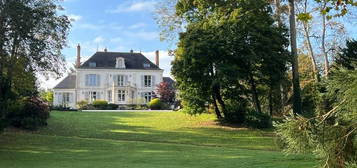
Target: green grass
{"x": 142, "y": 140}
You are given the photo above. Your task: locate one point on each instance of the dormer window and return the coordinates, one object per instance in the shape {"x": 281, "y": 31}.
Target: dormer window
{"x": 92, "y": 64}
{"x": 120, "y": 63}
{"x": 146, "y": 65}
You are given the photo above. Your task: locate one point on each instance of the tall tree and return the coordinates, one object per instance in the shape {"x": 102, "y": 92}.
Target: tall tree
{"x": 294, "y": 60}
{"x": 33, "y": 34}
{"x": 226, "y": 52}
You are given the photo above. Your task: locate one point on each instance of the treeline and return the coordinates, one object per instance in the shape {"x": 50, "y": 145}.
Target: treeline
{"x": 252, "y": 60}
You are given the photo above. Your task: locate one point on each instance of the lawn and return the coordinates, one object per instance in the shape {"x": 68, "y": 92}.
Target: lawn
{"x": 142, "y": 140}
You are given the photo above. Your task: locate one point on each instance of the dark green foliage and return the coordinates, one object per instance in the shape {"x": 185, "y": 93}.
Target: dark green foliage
{"x": 100, "y": 104}
{"x": 331, "y": 133}
{"x": 347, "y": 58}
{"x": 229, "y": 51}
{"x": 157, "y": 104}
{"x": 32, "y": 35}
{"x": 254, "y": 119}
{"x": 28, "y": 113}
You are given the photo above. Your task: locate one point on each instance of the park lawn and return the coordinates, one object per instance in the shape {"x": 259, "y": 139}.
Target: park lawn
{"x": 143, "y": 140}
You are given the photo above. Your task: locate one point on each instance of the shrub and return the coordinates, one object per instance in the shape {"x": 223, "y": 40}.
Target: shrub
{"x": 111, "y": 107}
{"x": 100, "y": 104}
{"x": 157, "y": 104}
{"x": 28, "y": 113}
{"x": 257, "y": 120}
{"x": 82, "y": 104}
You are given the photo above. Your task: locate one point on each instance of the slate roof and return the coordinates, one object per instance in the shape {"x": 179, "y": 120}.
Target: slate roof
{"x": 107, "y": 60}
{"x": 170, "y": 81}
{"x": 67, "y": 83}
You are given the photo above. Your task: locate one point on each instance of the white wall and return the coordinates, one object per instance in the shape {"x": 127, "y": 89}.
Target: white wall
{"x": 107, "y": 81}
{"x": 58, "y": 94}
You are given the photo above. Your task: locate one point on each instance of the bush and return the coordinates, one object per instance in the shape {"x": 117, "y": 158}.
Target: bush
{"x": 157, "y": 104}
{"x": 111, "y": 107}
{"x": 257, "y": 120}
{"x": 100, "y": 104}
{"x": 82, "y": 104}
{"x": 29, "y": 113}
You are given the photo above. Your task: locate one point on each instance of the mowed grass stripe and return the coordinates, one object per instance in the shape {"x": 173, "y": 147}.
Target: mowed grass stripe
{"x": 83, "y": 140}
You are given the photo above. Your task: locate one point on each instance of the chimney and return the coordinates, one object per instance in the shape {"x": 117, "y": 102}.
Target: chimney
{"x": 157, "y": 58}
{"x": 78, "y": 62}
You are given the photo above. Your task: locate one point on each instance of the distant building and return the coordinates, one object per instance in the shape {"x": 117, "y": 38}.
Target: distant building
{"x": 121, "y": 78}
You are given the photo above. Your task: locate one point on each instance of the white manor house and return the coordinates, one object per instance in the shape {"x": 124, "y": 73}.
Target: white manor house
{"x": 122, "y": 78}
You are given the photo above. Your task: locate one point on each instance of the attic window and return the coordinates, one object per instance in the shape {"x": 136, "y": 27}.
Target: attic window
{"x": 146, "y": 65}
{"x": 120, "y": 63}
{"x": 92, "y": 64}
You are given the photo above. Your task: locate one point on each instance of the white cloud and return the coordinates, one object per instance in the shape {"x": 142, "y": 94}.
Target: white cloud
{"x": 116, "y": 40}
{"x": 98, "y": 39}
{"x": 134, "y": 7}
{"x": 74, "y": 17}
{"x": 138, "y": 25}
{"x": 143, "y": 35}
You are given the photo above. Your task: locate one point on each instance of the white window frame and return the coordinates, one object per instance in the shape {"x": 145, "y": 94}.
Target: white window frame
{"x": 93, "y": 95}
{"x": 121, "y": 95}
{"x": 92, "y": 80}
{"x": 147, "y": 80}
{"x": 121, "y": 80}
{"x": 66, "y": 98}
{"x": 147, "y": 96}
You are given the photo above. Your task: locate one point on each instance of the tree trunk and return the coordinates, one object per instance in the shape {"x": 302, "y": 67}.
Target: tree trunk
{"x": 278, "y": 12}
{"x": 217, "y": 92}
{"x": 271, "y": 100}
{"x": 294, "y": 61}
{"x": 254, "y": 94}
{"x": 323, "y": 43}
{"x": 309, "y": 45}
{"x": 216, "y": 109}
{"x": 281, "y": 89}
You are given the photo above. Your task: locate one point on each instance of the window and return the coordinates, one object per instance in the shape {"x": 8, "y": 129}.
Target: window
{"x": 147, "y": 96}
{"x": 120, "y": 63}
{"x": 93, "y": 96}
{"x": 92, "y": 80}
{"x": 121, "y": 95}
{"x": 66, "y": 99}
{"x": 109, "y": 96}
{"x": 92, "y": 64}
{"x": 121, "y": 80}
{"x": 147, "y": 81}
{"x": 146, "y": 65}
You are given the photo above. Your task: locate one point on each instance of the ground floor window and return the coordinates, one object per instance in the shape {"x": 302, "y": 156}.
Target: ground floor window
{"x": 121, "y": 95}
{"x": 147, "y": 96}
{"x": 91, "y": 96}
{"x": 66, "y": 98}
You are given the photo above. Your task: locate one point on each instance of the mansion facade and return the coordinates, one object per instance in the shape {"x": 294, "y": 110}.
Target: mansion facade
{"x": 122, "y": 78}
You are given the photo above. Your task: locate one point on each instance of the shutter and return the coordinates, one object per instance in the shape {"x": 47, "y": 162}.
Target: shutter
{"x": 71, "y": 98}
{"x": 60, "y": 98}
{"x": 87, "y": 80}
{"x": 98, "y": 95}
{"x": 153, "y": 82}
{"x": 115, "y": 80}
{"x": 126, "y": 80}
{"x": 86, "y": 95}
{"x": 142, "y": 81}
{"x": 98, "y": 80}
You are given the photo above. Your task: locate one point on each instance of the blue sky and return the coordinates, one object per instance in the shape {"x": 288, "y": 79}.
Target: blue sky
{"x": 118, "y": 25}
